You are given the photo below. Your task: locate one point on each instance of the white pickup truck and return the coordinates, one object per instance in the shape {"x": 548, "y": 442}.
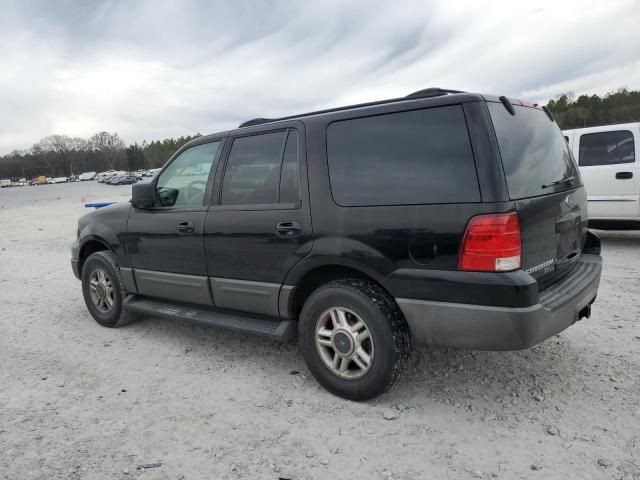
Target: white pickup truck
{"x": 608, "y": 158}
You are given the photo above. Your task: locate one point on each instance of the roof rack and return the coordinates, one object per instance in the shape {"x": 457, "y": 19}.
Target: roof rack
{"x": 255, "y": 121}
{"x": 425, "y": 93}
{"x": 432, "y": 92}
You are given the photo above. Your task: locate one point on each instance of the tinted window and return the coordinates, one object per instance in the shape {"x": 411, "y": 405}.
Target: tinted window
{"x": 607, "y": 148}
{"x": 422, "y": 156}
{"x": 184, "y": 181}
{"x": 289, "y": 177}
{"x": 533, "y": 150}
{"x": 252, "y": 175}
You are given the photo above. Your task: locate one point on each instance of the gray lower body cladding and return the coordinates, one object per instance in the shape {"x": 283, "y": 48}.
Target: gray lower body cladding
{"x": 483, "y": 327}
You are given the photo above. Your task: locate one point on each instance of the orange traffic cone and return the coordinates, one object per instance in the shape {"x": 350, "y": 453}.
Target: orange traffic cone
{"x": 82, "y": 199}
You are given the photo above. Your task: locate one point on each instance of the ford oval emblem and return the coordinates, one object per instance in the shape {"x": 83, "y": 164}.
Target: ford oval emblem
{"x": 569, "y": 201}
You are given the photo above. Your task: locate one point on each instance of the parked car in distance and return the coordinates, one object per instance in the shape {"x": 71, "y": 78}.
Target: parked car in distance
{"x": 113, "y": 179}
{"x": 125, "y": 180}
{"x": 41, "y": 180}
{"x": 59, "y": 180}
{"x": 443, "y": 218}
{"x": 102, "y": 176}
{"x": 5, "y": 183}
{"x": 87, "y": 176}
{"x": 609, "y": 162}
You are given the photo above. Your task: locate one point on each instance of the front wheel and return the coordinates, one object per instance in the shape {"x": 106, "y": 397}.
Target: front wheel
{"x": 103, "y": 290}
{"x": 354, "y": 338}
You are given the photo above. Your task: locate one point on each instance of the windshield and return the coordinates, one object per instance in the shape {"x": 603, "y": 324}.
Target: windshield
{"x": 535, "y": 156}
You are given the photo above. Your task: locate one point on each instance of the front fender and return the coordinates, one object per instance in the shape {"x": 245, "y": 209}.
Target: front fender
{"x": 108, "y": 226}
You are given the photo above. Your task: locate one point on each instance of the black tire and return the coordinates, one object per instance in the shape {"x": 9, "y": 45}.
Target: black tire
{"x": 116, "y": 316}
{"x": 388, "y": 332}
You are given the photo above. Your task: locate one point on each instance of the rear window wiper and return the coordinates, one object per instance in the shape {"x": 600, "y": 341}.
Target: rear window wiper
{"x": 560, "y": 182}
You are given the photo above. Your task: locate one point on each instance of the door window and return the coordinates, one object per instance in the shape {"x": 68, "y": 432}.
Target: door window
{"x": 290, "y": 177}
{"x": 262, "y": 169}
{"x": 184, "y": 181}
{"x": 606, "y": 148}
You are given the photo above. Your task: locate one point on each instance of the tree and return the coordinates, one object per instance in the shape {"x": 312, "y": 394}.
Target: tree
{"x": 621, "y": 106}
{"x": 110, "y": 145}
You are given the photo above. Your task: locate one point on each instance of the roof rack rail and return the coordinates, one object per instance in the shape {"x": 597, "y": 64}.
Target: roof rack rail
{"x": 432, "y": 92}
{"x": 426, "y": 93}
{"x": 255, "y": 121}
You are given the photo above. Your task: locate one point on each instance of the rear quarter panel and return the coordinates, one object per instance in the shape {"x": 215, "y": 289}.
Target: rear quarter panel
{"x": 382, "y": 241}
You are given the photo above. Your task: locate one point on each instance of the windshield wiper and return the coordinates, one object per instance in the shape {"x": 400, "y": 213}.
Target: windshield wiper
{"x": 560, "y": 182}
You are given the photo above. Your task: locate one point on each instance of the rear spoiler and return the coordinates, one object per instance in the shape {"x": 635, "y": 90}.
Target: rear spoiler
{"x": 509, "y": 103}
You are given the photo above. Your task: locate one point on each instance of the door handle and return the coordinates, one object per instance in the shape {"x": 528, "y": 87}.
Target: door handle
{"x": 288, "y": 229}
{"x": 186, "y": 227}
{"x": 624, "y": 175}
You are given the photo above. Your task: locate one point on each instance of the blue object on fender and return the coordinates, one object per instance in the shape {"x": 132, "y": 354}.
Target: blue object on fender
{"x": 98, "y": 204}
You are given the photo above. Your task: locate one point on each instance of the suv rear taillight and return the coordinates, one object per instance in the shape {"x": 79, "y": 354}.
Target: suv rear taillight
{"x": 491, "y": 244}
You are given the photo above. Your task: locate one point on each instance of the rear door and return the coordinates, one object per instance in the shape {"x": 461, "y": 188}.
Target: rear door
{"x": 608, "y": 161}
{"x": 545, "y": 185}
{"x": 259, "y": 225}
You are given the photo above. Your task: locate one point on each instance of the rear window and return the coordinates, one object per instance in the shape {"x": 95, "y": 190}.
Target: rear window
{"x": 606, "y": 148}
{"x": 415, "y": 157}
{"x": 533, "y": 150}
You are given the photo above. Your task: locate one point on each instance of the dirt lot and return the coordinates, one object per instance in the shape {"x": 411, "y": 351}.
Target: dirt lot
{"x": 81, "y": 401}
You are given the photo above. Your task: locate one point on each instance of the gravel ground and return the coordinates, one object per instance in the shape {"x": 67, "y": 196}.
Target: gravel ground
{"x": 81, "y": 401}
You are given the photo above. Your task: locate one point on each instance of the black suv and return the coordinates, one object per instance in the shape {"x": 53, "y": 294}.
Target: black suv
{"x": 445, "y": 218}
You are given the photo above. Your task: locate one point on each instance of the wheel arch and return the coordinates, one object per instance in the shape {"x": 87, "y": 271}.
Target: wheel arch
{"x": 91, "y": 245}
{"x": 306, "y": 281}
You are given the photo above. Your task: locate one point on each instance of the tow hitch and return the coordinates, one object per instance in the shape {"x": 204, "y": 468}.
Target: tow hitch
{"x": 586, "y": 311}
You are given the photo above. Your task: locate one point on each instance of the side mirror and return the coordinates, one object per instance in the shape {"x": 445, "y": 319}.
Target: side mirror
{"x": 143, "y": 195}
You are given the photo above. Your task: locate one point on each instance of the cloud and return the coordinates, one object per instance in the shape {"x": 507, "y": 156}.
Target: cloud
{"x": 153, "y": 69}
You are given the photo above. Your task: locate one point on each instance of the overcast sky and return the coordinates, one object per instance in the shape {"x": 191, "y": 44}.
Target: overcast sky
{"x": 149, "y": 70}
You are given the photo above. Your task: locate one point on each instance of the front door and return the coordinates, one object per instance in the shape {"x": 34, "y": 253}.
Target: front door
{"x": 164, "y": 242}
{"x": 610, "y": 171}
{"x": 259, "y": 224}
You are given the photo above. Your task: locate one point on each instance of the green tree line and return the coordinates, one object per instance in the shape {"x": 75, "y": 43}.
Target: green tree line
{"x": 62, "y": 156}
{"x": 621, "y": 106}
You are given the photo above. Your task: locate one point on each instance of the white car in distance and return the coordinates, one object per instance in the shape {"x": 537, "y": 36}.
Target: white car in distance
{"x": 608, "y": 159}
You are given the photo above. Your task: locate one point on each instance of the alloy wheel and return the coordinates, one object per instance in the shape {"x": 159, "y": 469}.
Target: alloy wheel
{"x": 101, "y": 290}
{"x": 344, "y": 343}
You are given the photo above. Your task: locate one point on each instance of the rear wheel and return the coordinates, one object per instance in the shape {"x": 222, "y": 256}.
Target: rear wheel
{"x": 103, "y": 290}
{"x": 354, "y": 338}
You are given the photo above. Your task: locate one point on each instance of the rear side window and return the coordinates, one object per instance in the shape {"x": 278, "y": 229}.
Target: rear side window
{"x": 534, "y": 152}
{"x": 606, "y": 148}
{"x": 415, "y": 157}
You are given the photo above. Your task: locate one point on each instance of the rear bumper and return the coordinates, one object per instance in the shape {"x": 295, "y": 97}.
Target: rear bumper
{"x": 483, "y": 327}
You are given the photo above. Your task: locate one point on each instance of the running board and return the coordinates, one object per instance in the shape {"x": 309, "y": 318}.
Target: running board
{"x": 282, "y": 330}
